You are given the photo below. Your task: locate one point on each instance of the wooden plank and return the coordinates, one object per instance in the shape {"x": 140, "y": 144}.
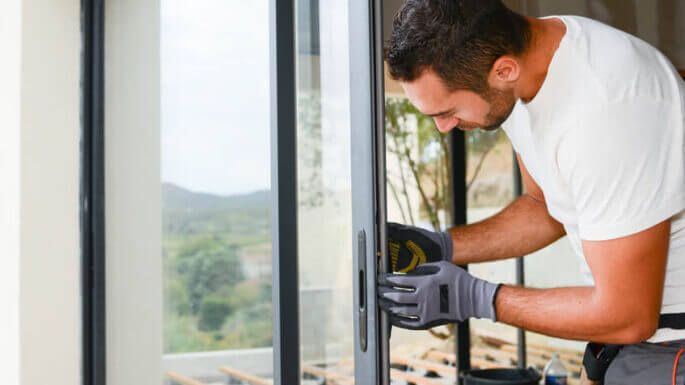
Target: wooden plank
{"x": 246, "y": 377}
{"x": 329, "y": 375}
{"x": 183, "y": 380}
{"x": 442, "y": 369}
{"x": 505, "y": 357}
{"x": 451, "y": 358}
{"x": 413, "y": 378}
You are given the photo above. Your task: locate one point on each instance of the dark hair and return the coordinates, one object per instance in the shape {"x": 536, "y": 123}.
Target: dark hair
{"x": 459, "y": 39}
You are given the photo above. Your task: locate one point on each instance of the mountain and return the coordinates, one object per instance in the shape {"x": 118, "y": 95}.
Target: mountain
{"x": 177, "y": 197}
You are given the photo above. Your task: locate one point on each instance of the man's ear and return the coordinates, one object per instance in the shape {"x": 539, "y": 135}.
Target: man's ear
{"x": 505, "y": 71}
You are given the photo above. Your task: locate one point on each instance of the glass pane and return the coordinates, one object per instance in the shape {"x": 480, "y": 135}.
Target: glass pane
{"x": 216, "y": 241}
{"x": 489, "y": 183}
{"x": 418, "y": 192}
{"x": 324, "y": 188}
{"x": 188, "y": 160}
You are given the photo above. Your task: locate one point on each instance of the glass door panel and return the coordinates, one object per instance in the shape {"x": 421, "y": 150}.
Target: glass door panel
{"x": 324, "y": 192}
{"x": 188, "y": 192}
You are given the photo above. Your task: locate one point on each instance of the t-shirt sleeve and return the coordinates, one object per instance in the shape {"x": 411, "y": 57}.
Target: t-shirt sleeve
{"x": 625, "y": 167}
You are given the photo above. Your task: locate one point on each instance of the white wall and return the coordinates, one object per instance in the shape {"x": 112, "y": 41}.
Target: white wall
{"x": 39, "y": 227}
{"x": 133, "y": 192}
{"x": 10, "y": 125}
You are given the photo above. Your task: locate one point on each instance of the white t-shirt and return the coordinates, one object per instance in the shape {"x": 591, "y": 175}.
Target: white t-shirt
{"x": 603, "y": 138}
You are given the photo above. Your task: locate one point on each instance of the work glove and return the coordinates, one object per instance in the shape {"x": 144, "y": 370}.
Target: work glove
{"x": 409, "y": 247}
{"x": 435, "y": 294}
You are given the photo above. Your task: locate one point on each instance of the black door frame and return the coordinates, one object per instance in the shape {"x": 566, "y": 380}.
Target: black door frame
{"x": 92, "y": 194}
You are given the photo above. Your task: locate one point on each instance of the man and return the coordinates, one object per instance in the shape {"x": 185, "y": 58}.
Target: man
{"x": 597, "y": 119}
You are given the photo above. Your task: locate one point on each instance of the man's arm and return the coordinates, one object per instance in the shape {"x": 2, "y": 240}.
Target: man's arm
{"x": 623, "y": 307}
{"x": 522, "y": 227}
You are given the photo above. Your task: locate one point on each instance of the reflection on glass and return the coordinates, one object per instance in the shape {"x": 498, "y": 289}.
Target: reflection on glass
{"x": 324, "y": 192}
{"x": 215, "y": 189}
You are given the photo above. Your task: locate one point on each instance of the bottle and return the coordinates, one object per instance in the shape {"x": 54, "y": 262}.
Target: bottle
{"x": 555, "y": 371}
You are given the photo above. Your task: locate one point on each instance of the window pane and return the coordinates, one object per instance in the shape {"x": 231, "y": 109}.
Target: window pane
{"x": 188, "y": 191}
{"x": 324, "y": 192}
{"x": 490, "y": 182}
{"x": 215, "y": 185}
{"x": 418, "y": 192}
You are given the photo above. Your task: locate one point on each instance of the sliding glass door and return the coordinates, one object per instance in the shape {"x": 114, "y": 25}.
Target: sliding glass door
{"x": 221, "y": 265}
{"x": 337, "y": 196}
{"x": 324, "y": 199}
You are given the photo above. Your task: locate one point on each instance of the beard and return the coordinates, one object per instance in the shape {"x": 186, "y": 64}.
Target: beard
{"x": 501, "y": 105}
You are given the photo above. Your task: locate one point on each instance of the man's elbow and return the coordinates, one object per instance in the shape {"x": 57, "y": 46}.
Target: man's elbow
{"x": 636, "y": 329}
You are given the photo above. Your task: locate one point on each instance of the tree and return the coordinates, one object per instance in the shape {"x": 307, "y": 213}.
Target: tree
{"x": 213, "y": 313}
{"x": 207, "y": 266}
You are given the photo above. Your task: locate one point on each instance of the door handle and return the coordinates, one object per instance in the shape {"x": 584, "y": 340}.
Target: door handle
{"x": 362, "y": 311}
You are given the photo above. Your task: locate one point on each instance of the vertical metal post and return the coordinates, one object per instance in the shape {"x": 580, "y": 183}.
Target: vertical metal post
{"x": 92, "y": 194}
{"x": 459, "y": 204}
{"x": 520, "y": 273}
{"x": 286, "y": 336}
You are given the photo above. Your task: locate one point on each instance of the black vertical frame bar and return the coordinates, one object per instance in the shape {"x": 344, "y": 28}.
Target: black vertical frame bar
{"x": 459, "y": 205}
{"x": 520, "y": 274}
{"x": 286, "y": 328}
{"x": 92, "y": 195}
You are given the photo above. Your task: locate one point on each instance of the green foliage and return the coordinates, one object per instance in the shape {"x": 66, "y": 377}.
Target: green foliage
{"x": 422, "y": 153}
{"x": 423, "y": 160}
{"x": 213, "y": 313}
{"x": 209, "y": 303}
{"x": 207, "y": 265}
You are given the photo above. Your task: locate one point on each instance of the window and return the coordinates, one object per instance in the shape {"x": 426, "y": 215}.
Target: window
{"x": 324, "y": 190}
{"x": 188, "y": 191}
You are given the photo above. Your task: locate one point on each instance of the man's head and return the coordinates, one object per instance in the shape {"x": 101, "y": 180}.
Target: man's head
{"x": 458, "y": 60}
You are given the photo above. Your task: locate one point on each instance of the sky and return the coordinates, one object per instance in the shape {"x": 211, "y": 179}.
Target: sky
{"x": 215, "y": 95}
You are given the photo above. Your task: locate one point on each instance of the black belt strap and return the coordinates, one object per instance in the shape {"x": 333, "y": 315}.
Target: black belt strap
{"x": 672, "y": 321}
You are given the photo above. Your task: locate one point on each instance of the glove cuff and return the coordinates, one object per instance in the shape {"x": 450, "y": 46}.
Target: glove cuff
{"x": 446, "y": 245}
{"x": 484, "y": 299}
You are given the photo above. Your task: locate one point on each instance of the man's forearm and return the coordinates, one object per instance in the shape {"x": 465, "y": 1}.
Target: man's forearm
{"x": 571, "y": 313}
{"x": 519, "y": 229}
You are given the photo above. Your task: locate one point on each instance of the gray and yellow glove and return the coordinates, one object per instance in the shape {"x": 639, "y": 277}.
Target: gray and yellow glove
{"x": 435, "y": 294}
{"x": 410, "y": 246}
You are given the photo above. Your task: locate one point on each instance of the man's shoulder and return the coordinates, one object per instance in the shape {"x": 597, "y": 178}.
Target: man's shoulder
{"x": 613, "y": 64}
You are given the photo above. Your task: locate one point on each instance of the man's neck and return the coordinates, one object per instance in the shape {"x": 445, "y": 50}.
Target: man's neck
{"x": 546, "y": 34}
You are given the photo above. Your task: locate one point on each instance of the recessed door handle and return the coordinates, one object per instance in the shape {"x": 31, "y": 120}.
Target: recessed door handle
{"x": 361, "y": 276}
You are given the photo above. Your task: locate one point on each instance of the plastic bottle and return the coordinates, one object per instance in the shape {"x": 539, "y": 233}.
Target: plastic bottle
{"x": 555, "y": 371}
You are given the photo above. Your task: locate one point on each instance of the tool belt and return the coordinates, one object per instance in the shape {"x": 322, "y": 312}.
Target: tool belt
{"x": 598, "y": 357}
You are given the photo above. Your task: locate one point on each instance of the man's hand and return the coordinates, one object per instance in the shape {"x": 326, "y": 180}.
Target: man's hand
{"x": 411, "y": 246}
{"x": 435, "y": 294}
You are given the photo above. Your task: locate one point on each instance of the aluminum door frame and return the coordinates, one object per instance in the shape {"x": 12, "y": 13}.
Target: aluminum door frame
{"x": 368, "y": 188}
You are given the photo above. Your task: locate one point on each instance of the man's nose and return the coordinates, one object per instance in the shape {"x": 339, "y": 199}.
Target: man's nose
{"x": 446, "y": 125}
